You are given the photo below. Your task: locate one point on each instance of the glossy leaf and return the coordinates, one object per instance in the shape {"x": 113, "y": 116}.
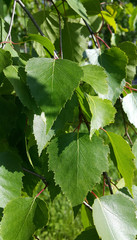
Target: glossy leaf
{"x": 10, "y": 177}
{"x": 103, "y": 112}
{"x": 77, "y": 163}
{"x": 96, "y": 77}
{"x": 52, "y": 83}
{"x": 39, "y": 130}
{"x": 23, "y": 216}
{"x": 124, "y": 158}
{"x": 129, "y": 104}
{"x": 78, "y": 7}
{"x": 44, "y": 41}
{"x": 114, "y": 217}
{"x": 114, "y": 62}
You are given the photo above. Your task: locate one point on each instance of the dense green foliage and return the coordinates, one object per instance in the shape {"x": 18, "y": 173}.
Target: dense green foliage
{"x": 68, "y": 120}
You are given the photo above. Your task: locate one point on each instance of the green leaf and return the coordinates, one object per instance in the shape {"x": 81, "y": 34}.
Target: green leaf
{"x": 52, "y": 83}
{"x": 96, "y": 77}
{"x": 22, "y": 217}
{"x": 124, "y": 158}
{"x": 133, "y": 20}
{"x": 77, "y": 163}
{"x": 134, "y": 150}
{"x": 39, "y": 130}
{"x": 48, "y": 22}
{"x": 88, "y": 235}
{"x": 15, "y": 77}
{"x": 78, "y": 7}
{"x": 129, "y": 105}
{"x": 135, "y": 194}
{"x": 86, "y": 217}
{"x": 109, "y": 19}
{"x": 5, "y": 59}
{"x": 114, "y": 217}
{"x": 92, "y": 6}
{"x": 44, "y": 41}
{"x": 73, "y": 41}
{"x": 10, "y": 177}
{"x": 131, "y": 51}
{"x": 103, "y": 112}
{"x": 114, "y": 62}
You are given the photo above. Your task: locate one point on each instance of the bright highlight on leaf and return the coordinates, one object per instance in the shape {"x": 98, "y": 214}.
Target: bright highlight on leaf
{"x": 103, "y": 112}
{"x": 114, "y": 217}
{"x": 52, "y": 83}
{"x": 23, "y": 216}
{"x": 129, "y": 104}
{"x": 124, "y": 158}
{"x": 96, "y": 77}
{"x": 78, "y": 7}
{"x": 78, "y": 163}
{"x": 114, "y": 62}
{"x": 10, "y": 177}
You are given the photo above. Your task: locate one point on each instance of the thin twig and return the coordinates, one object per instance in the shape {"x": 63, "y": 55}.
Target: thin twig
{"x": 103, "y": 41}
{"x": 108, "y": 181}
{"x": 11, "y": 24}
{"x": 30, "y": 16}
{"x": 36, "y": 174}
{"x": 60, "y": 30}
{"x": 87, "y": 205}
{"x": 35, "y": 24}
{"x": 91, "y": 32}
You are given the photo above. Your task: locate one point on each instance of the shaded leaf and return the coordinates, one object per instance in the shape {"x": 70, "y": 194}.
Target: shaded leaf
{"x": 73, "y": 40}
{"x": 20, "y": 87}
{"x": 114, "y": 217}
{"x": 88, "y": 235}
{"x": 5, "y": 59}
{"x": 78, "y": 7}
{"x": 52, "y": 83}
{"x": 86, "y": 217}
{"x": 103, "y": 112}
{"x": 92, "y": 7}
{"x": 124, "y": 158}
{"x": 77, "y": 163}
{"x": 131, "y": 51}
{"x": 10, "y": 177}
{"x": 114, "y": 62}
{"x": 23, "y": 216}
{"x": 96, "y": 77}
{"x": 129, "y": 105}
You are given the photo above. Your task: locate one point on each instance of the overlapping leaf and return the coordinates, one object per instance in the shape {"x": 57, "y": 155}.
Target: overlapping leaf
{"x": 134, "y": 150}
{"x": 77, "y": 163}
{"x": 114, "y": 62}
{"x": 114, "y": 217}
{"x": 129, "y": 104}
{"x": 73, "y": 40}
{"x": 22, "y": 217}
{"x": 10, "y": 177}
{"x": 92, "y": 7}
{"x": 52, "y": 83}
{"x": 131, "y": 51}
{"x": 109, "y": 19}
{"x": 78, "y": 7}
{"x": 103, "y": 112}
{"x": 20, "y": 87}
{"x": 124, "y": 158}
{"x": 88, "y": 235}
{"x": 96, "y": 77}
{"x": 5, "y": 59}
